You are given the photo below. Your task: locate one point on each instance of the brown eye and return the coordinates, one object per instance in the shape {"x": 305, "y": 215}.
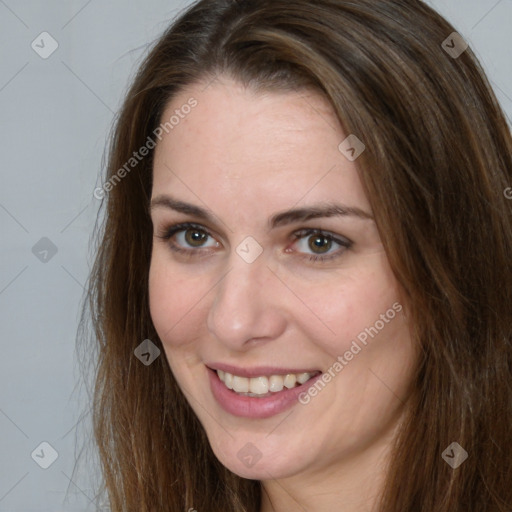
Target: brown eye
{"x": 187, "y": 238}
{"x": 319, "y": 243}
{"x": 195, "y": 237}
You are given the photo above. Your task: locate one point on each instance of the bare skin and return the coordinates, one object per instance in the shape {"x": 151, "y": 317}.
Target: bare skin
{"x": 246, "y": 156}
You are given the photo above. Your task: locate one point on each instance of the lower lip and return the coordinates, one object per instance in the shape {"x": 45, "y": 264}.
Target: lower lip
{"x": 252, "y": 407}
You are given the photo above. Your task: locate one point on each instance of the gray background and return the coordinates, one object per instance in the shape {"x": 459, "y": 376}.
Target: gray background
{"x": 56, "y": 114}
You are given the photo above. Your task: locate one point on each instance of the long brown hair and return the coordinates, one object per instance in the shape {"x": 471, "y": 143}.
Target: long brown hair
{"x": 435, "y": 168}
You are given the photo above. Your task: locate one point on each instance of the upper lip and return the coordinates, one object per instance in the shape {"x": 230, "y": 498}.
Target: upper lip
{"x": 258, "y": 371}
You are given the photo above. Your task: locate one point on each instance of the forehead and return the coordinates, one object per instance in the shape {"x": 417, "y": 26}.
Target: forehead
{"x": 274, "y": 148}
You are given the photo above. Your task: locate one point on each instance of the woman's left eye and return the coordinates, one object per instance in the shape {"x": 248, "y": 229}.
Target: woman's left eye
{"x": 321, "y": 243}
{"x": 185, "y": 238}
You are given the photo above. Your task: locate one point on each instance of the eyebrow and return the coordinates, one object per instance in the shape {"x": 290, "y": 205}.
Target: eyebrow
{"x": 279, "y": 219}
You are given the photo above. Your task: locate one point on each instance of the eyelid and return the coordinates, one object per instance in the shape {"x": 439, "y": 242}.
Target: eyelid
{"x": 343, "y": 242}
{"x": 168, "y": 232}
{"x": 339, "y": 239}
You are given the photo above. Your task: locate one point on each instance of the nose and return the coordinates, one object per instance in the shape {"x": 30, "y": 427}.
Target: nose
{"x": 246, "y": 305}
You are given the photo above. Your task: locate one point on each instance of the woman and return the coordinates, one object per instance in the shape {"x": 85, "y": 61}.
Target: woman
{"x": 301, "y": 293}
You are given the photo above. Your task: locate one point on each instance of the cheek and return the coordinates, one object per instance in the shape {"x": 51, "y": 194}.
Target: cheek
{"x": 171, "y": 301}
{"x": 161, "y": 298}
{"x": 174, "y": 304}
{"x": 353, "y": 306}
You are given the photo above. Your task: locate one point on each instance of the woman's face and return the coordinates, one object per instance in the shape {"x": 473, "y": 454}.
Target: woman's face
{"x": 281, "y": 272}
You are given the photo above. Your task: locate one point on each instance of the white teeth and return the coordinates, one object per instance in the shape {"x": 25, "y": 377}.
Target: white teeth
{"x": 290, "y": 380}
{"x": 240, "y": 384}
{"x": 303, "y": 377}
{"x": 276, "y": 383}
{"x": 258, "y": 385}
{"x": 262, "y": 386}
{"x": 228, "y": 380}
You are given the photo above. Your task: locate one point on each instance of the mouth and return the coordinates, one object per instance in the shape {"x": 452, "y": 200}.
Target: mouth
{"x": 263, "y": 385}
{"x": 260, "y": 393}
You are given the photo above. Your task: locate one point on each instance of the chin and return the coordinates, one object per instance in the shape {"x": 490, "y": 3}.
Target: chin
{"x": 247, "y": 458}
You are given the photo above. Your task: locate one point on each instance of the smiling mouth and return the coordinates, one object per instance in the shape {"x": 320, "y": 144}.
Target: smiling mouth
{"x": 263, "y": 386}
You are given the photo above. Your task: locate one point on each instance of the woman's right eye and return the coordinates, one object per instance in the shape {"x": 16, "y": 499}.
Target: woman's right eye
{"x": 186, "y": 238}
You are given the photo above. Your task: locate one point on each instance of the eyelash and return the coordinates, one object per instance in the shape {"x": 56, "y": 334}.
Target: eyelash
{"x": 169, "y": 232}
